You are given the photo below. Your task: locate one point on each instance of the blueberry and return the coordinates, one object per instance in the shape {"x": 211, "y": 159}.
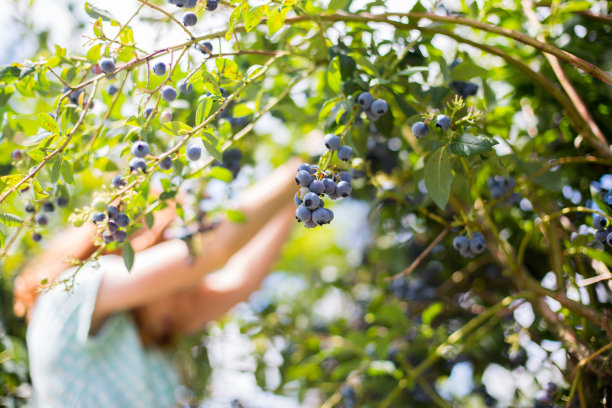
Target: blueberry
{"x": 194, "y": 152}
{"x": 48, "y": 206}
{"x": 343, "y": 188}
{"x": 303, "y": 214}
{"x": 159, "y": 69}
{"x": 122, "y": 220}
{"x": 379, "y": 107}
{"x": 332, "y": 142}
{"x": 168, "y": 93}
{"x": 99, "y": 217}
{"x": 165, "y": 117}
{"x": 184, "y": 87}
{"x": 190, "y": 19}
{"x": 120, "y": 236}
{"x": 211, "y": 5}
{"x": 466, "y": 253}
{"x": 36, "y": 237}
{"x": 108, "y": 237}
{"x": 470, "y": 89}
{"x": 317, "y": 186}
{"x": 112, "y": 212}
{"x": 61, "y": 201}
{"x": 75, "y": 96}
{"x": 464, "y": 89}
{"x": 305, "y": 167}
{"x": 420, "y": 130}
{"x": 312, "y": 201}
{"x": 16, "y": 154}
{"x": 297, "y": 200}
{"x": 140, "y": 149}
{"x": 112, "y": 226}
{"x": 138, "y": 164}
{"x": 205, "y": 47}
{"x": 371, "y": 115}
{"x": 111, "y": 90}
{"x": 365, "y": 100}
{"x": 30, "y": 208}
{"x": 166, "y": 164}
{"x": 443, "y": 122}
{"x": 41, "y": 219}
{"x": 345, "y": 176}
{"x": 118, "y": 182}
{"x": 345, "y": 153}
{"x": 310, "y": 224}
{"x": 477, "y": 243}
{"x": 303, "y": 178}
{"x": 461, "y": 243}
{"x": 599, "y": 221}
{"x": 190, "y": 4}
{"x": 321, "y": 216}
{"x": 107, "y": 65}
{"x": 601, "y": 235}
{"x": 330, "y": 186}
{"x": 148, "y": 113}
{"x": 330, "y": 214}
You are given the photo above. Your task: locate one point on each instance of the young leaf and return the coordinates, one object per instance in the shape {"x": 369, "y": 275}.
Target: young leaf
{"x": 438, "y": 177}
{"x": 128, "y": 255}
{"x": 95, "y": 12}
{"x": 334, "y": 78}
{"x": 10, "y": 220}
{"x": 467, "y": 145}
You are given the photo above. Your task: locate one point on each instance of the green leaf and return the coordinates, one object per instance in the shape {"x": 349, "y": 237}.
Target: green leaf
{"x": 253, "y": 17}
{"x": 467, "y": 145}
{"x": 232, "y": 22}
{"x": 599, "y": 255}
{"x": 10, "y": 220}
{"x": 438, "y": 177}
{"x": 431, "y": 312}
{"x": 210, "y": 83}
{"x": 95, "y": 12}
{"x": 175, "y": 128}
{"x": 276, "y": 19}
{"x": 128, "y": 255}
{"x": 334, "y": 78}
{"x": 47, "y": 122}
{"x": 347, "y": 66}
{"x": 1, "y": 239}
{"x": 212, "y": 149}
{"x": 467, "y": 70}
{"x": 149, "y": 219}
{"x": 221, "y": 173}
{"x": 56, "y": 165}
{"x": 67, "y": 172}
{"x": 411, "y": 71}
{"x": 235, "y": 216}
{"x": 597, "y": 197}
{"x": 203, "y": 110}
{"x": 228, "y": 68}
{"x": 337, "y": 4}
{"x": 9, "y": 73}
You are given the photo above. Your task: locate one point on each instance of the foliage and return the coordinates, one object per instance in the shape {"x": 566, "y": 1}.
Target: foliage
{"x": 409, "y": 308}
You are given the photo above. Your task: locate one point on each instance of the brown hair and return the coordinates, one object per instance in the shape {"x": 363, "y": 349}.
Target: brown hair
{"x": 78, "y": 244}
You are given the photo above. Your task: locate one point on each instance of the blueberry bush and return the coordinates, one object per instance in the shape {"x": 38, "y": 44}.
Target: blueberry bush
{"x": 476, "y": 136}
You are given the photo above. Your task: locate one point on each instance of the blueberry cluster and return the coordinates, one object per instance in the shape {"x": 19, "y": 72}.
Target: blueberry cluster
{"x": 421, "y": 130}
{"x": 114, "y": 219}
{"x": 603, "y": 234}
{"x": 470, "y": 247}
{"x": 140, "y": 150}
{"x": 46, "y": 207}
{"x": 373, "y": 109}
{"x": 500, "y": 186}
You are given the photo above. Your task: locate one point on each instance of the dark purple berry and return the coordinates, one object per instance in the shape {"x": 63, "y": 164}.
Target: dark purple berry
{"x": 122, "y": 220}
{"x": 48, "y": 206}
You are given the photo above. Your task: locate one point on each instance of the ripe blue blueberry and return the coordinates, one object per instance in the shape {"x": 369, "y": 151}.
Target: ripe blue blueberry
{"x": 41, "y": 219}
{"x": 206, "y": 47}
{"x": 477, "y": 243}
{"x": 194, "y": 152}
{"x": 108, "y": 237}
{"x": 122, "y": 220}
{"x": 36, "y": 237}
{"x": 303, "y": 178}
{"x": 317, "y": 186}
{"x": 343, "y": 188}
{"x": 16, "y": 154}
{"x": 371, "y": 115}
{"x": 118, "y": 182}
{"x": 599, "y": 221}
{"x": 61, "y": 201}
{"x": 332, "y": 142}
{"x": 601, "y": 235}
{"x": 107, "y": 65}
{"x": 310, "y": 224}
{"x": 168, "y": 93}
{"x": 443, "y": 122}
{"x": 159, "y": 69}
{"x": 297, "y": 200}
{"x": 138, "y": 164}
{"x": 120, "y": 236}
{"x": 148, "y": 113}
{"x": 112, "y": 226}
{"x": 304, "y": 166}
{"x": 166, "y": 164}
{"x": 330, "y": 214}
{"x": 321, "y": 216}
{"x": 420, "y": 130}
{"x": 190, "y": 19}
{"x": 184, "y": 87}
{"x": 379, "y": 107}
{"x": 99, "y": 217}
{"x": 30, "y": 208}
{"x": 211, "y": 5}
{"x": 461, "y": 243}
{"x": 111, "y": 90}
{"x": 345, "y": 176}
{"x": 312, "y": 201}
{"x": 345, "y": 153}
{"x": 609, "y": 239}
{"x": 330, "y": 186}
{"x": 365, "y": 100}
{"x": 303, "y": 214}
{"x": 140, "y": 149}
{"x": 112, "y": 211}
{"x": 48, "y": 206}
{"x": 466, "y": 253}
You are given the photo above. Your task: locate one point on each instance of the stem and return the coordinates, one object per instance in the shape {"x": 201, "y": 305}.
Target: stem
{"x": 170, "y": 16}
